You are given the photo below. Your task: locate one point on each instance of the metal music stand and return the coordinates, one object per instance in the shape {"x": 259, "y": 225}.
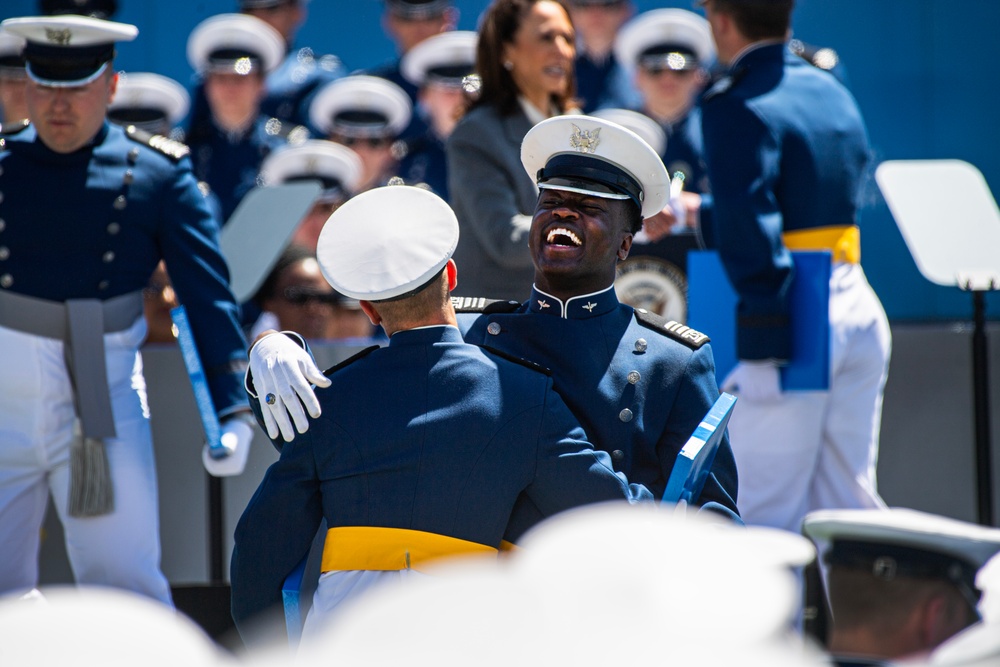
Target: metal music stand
{"x": 951, "y": 225}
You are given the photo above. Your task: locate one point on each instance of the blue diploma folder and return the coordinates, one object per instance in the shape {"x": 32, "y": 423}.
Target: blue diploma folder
{"x": 694, "y": 462}
{"x": 712, "y": 311}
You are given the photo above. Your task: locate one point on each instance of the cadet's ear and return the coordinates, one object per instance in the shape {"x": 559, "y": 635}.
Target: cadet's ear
{"x": 624, "y": 248}
{"x": 452, "y": 275}
{"x": 370, "y": 311}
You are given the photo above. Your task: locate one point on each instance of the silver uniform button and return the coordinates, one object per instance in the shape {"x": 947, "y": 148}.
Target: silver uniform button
{"x": 133, "y": 155}
{"x": 103, "y": 285}
{"x": 4, "y": 252}
{"x": 617, "y": 455}
{"x": 6, "y": 280}
{"x": 634, "y": 377}
{"x": 119, "y": 202}
{"x": 625, "y": 415}
{"x": 128, "y": 177}
{"x": 640, "y": 345}
{"x": 114, "y": 228}
{"x": 493, "y": 328}
{"x": 3, "y": 224}
{"x": 108, "y": 257}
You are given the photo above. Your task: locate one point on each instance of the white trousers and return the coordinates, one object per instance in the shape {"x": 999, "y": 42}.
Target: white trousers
{"x": 819, "y": 449}
{"x": 37, "y": 426}
{"x": 337, "y": 587}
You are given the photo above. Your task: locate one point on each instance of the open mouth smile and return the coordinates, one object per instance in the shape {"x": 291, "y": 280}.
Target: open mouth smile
{"x": 560, "y": 236}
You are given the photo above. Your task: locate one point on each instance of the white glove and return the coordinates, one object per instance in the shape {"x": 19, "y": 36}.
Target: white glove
{"x": 236, "y": 436}
{"x": 754, "y": 381}
{"x": 282, "y": 372}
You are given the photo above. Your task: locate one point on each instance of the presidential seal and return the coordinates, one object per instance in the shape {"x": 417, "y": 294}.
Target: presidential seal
{"x": 655, "y": 284}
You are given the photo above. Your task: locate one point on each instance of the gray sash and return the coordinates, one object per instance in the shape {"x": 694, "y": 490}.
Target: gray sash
{"x": 81, "y": 325}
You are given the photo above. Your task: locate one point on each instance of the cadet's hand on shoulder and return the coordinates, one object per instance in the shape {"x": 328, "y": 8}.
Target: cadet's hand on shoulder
{"x": 282, "y": 372}
{"x": 754, "y": 381}
{"x": 236, "y": 436}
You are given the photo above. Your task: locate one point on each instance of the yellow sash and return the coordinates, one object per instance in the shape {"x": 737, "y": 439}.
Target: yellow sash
{"x": 376, "y": 548}
{"x": 844, "y": 241}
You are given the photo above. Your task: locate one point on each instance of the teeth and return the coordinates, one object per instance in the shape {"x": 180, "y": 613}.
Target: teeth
{"x": 562, "y": 231}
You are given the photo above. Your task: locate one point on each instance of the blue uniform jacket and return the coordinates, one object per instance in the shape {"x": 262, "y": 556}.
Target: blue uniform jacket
{"x": 786, "y": 149}
{"x": 604, "y": 85}
{"x": 230, "y": 164}
{"x": 425, "y": 163}
{"x": 290, "y": 87}
{"x": 428, "y": 434}
{"x": 93, "y": 224}
{"x": 638, "y": 393}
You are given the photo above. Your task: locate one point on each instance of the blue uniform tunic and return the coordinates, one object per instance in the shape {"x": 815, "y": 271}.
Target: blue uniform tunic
{"x": 604, "y": 85}
{"x": 291, "y": 85}
{"x": 425, "y": 163}
{"x": 786, "y": 150}
{"x": 428, "y": 434}
{"x": 230, "y": 163}
{"x": 638, "y": 392}
{"x": 93, "y": 224}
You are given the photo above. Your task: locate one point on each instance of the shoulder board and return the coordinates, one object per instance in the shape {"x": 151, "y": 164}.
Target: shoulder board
{"x": 479, "y": 304}
{"x": 723, "y": 84}
{"x": 290, "y": 132}
{"x": 174, "y": 150}
{"x": 10, "y": 129}
{"x": 671, "y": 329}
{"x": 518, "y": 360}
{"x": 350, "y": 360}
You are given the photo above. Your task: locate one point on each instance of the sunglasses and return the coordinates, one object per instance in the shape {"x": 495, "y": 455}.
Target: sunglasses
{"x": 300, "y": 296}
{"x": 371, "y": 142}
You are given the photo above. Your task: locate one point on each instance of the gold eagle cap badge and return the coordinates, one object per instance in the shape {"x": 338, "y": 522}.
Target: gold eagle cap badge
{"x": 585, "y": 141}
{"x": 58, "y": 37}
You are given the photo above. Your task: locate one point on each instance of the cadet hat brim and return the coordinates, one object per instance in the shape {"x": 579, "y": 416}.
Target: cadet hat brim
{"x": 890, "y": 542}
{"x": 70, "y": 50}
{"x": 146, "y": 97}
{"x": 446, "y": 58}
{"x": 640, "y": 123}
{"x": 596, "y": 157}
{"x": 361, "y": 106}
{"x": 416, "y": 10}
{"x": 673, "y": 34}
{"x": 337, "y": 167}
{"x": 234, "y": 43}
{"x": 387, "y": 242}
{"x": 11, "y": 54}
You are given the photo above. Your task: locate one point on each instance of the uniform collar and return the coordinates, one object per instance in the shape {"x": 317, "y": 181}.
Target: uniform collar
{"x": 759, "y": 50}
{"x": 575, "y": 308}
{"x": 441, "y": 333}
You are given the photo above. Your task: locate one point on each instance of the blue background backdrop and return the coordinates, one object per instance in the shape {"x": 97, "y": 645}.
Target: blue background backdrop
{"x": 924, "y": 72}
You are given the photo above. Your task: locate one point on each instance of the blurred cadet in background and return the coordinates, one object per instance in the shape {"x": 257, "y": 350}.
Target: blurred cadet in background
{"x": 601, "y": 81}
{"x": 232, "y": 54}
{"x": 336, "y": 167}
{"x": 13, "y": 106}
{"x": 367, "y": 114}
{"x": 440, "y": 67}
{"x": 150, "y": 102}
{"x": 289, "y": 86}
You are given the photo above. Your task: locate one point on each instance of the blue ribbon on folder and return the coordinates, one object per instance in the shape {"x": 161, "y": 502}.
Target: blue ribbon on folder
{"x": 694, "y": 462}
{"x": 202, "y": 397}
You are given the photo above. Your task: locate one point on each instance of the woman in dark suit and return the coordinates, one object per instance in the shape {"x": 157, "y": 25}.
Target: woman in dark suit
{"x": 524, "y": 59}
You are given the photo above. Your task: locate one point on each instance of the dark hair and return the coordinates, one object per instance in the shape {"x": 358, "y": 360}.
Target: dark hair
{"x": 292, "y": 255}
{"x": 630, "y": 215}
{"x": 498, "y": 28}
{"x": 759, "y": 19}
